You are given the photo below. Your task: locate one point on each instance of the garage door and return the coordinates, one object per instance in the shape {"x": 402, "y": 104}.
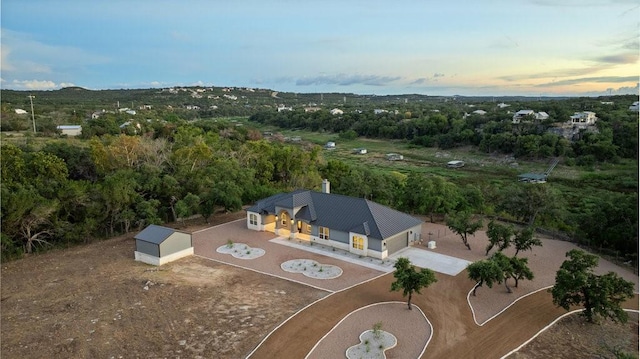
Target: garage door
{"x": 397, "y": 243}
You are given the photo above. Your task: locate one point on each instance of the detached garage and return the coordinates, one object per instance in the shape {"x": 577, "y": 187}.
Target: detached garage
{"x": 158, "y": 245}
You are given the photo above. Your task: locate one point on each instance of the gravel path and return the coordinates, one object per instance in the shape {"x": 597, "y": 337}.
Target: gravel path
{"x": 489, "y": 302}
{"x": 410, "y": 327}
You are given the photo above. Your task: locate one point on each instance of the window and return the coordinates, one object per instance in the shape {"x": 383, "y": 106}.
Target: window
{"x": 358, "y": 242}
{"x": 323, "y": 233}
{"x": 253, "y": 219}
{"x": 284, "y": 219}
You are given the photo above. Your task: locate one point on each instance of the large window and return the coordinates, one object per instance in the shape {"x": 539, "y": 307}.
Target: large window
{"x": 358, "y": 243}
{"x": 323, "y": 233}
{"x": 253, "y": 219}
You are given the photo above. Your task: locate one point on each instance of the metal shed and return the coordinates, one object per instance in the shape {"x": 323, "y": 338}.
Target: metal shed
{"x": 158, "y": 245}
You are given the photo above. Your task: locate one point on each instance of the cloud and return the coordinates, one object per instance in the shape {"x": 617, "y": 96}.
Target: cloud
{"x": 582, "y": 3}
{"x": 25, "y": 57}
{"x": 347, "y": 80}
{"x": 437, "y": 74}
{"x": 36, "y": 85}
{"x": 600, "y": 79}
{"x": 555, "y": 73}
{"x": 628, "y": 58}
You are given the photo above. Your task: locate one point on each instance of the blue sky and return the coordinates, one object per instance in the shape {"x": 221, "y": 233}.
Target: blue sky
{"x": 464, "y": 47}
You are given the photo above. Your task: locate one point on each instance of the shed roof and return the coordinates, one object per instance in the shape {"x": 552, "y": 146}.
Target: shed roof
{"x": 533, "y": 176}
{"x": 155, "y": 234}
{"x": 338, "y": 212}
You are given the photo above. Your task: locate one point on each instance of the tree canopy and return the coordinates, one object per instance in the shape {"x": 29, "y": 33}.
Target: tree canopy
{"x": 600, "y": 295}
{"x": 409, "y": 280}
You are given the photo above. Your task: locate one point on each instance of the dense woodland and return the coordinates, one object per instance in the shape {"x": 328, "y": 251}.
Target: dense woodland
{"x": 170, "y": 163}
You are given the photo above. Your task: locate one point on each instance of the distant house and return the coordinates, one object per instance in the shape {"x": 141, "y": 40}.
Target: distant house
{"x": 394, "y": 157}
{"x": 455, "y": 164}
{"x": 480, "y": 112}
{"x": 526, "y": 115}
{"x": 635, "y": 106}
{"x": 353, "y": 224}
{"x": 330, "y": 145}
{"x": 284, "y": 108}
{"x": 583, "y": 119}
{"x": 70, "y": 130}
{"x": 360, "y": 151}
{"x": 20, "y": 111}
{"x": 336, "y": 111}
{"x": 378, "y": 111}
{"x": 158, "y": 245}
{"x": 503, "y": 105}
{"x": 533, "y": 177}
{"x": 312, "y": 109}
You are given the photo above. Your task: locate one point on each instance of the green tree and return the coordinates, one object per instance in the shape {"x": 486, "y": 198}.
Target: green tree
{"x": 462, "y": 224}
{"x": 499, "y": 235}
{"x": 577, "y": 285}
{"x": 520, "y": 269}
{"x": 409, "y": 280}
{"x": 482, "y": 272}
{"x": 525, "y": 241}
{"x": 27, "y": 216}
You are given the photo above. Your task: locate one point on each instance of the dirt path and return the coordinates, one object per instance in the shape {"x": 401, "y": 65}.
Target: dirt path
{"x": 455, "y": 335}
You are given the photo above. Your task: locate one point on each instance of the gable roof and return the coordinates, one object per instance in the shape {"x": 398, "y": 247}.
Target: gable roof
{"x": 155, "y": 234}
{"x": 338, "y": 212}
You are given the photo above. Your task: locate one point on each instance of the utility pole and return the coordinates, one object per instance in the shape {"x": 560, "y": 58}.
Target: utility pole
{"x": 33, "y": 117}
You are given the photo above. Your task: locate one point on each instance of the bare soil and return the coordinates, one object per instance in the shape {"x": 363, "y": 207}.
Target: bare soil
{"x": 95, "y": 301}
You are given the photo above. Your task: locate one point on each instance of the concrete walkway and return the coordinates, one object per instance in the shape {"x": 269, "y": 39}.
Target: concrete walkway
{"x": 437, "y": 262}
{"x": 422, "y": 258}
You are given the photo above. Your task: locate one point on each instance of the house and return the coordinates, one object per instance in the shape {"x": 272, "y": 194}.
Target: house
{"x": 379, "y": 111}
{"x": 502, "y": 105}
{"x": 525, "y": 115}
{"x": 455, "y": 164}
{"x": 533, "y": 177}
{"x": 70, "y": 130}
{"x": 353, "y": 224}
{"x": 158, "y": 245}
{"x": 336, "y": 111}
{"x": 583, "y": 119}
{"x": 480, "y": 112}
{"x": 635, "y": 106}
{"x": 360, "y": 151}
{"x": 394, "y": 157}
{"x": 330, "y": 145}
{"x": 20, "y": 111}
{"x": 312, "y": 109}
{"x": 284, "y": 108}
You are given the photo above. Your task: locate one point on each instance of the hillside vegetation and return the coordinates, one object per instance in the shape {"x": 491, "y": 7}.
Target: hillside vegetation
{"x": 159, "y": 155}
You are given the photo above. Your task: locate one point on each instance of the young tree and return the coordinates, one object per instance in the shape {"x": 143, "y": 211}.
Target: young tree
{"x": 520, "y": 269}
{"x": 499, "y": 235}
{"x": 483, "y": 272}
{"x": 504, "y": 263}
{"x": 576, "y": 284}
{"x": 463, "y": 224}
{"x": 524, "y": 240}
{"x": 410, "y": 280}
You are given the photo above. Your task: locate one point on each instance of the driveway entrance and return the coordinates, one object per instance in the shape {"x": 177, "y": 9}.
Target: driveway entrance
{"x": 435, "y": 261}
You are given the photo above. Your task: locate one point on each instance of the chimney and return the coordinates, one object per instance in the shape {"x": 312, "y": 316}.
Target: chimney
{"x": 325, "y": 186}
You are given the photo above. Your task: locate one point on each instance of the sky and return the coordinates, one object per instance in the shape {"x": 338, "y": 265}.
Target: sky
{"x": 381, "y": 47}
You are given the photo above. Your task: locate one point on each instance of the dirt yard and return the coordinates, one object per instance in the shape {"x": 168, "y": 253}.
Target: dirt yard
{"x": 95, "y": 301}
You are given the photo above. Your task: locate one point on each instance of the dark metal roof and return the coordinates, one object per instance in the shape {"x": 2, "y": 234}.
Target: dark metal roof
{"x": 342, "y": 213}
{"x": 155, "y": 234}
